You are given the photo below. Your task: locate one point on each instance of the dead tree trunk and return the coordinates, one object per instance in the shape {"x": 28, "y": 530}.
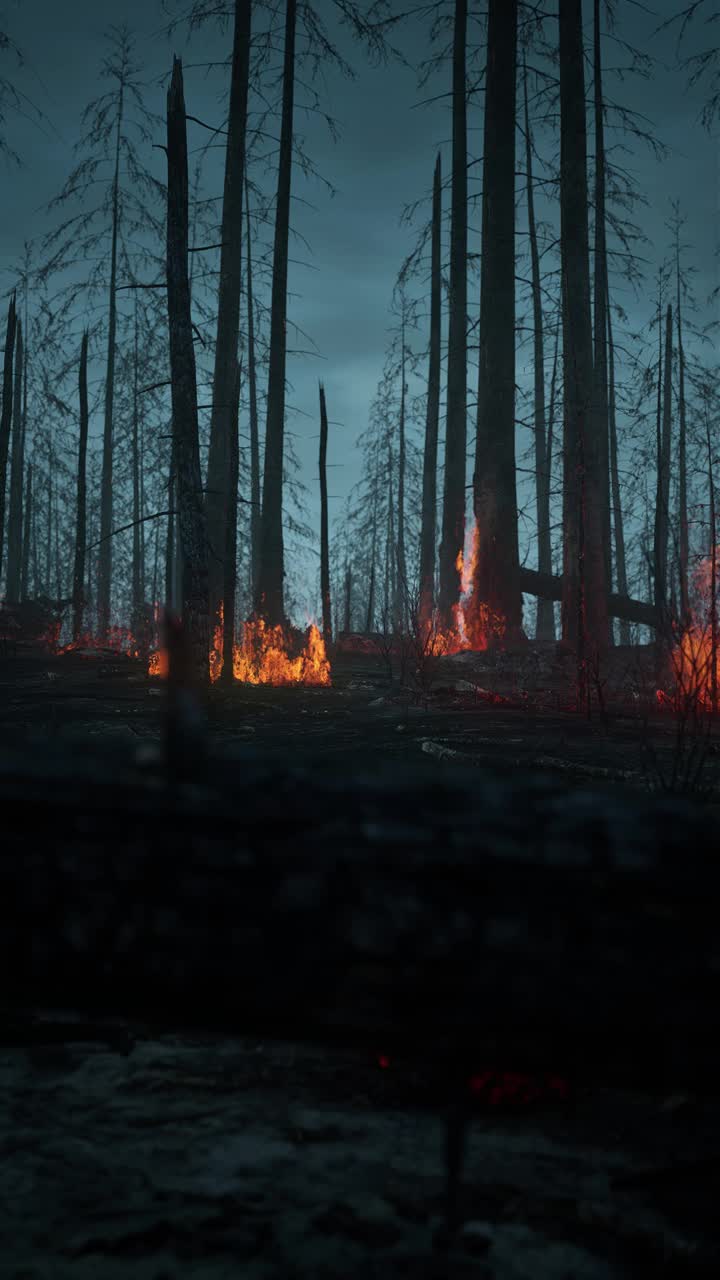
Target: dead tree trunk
{"x": 348, "y": 598}
{"x": 584, "y": 607}
{"x": 401, "y": 583}
{"x": 713, "y": 573}
{"x": 78, "y": 591}
{"x": 683, "y": 533}
{"x": 453, "y": 517}
{"x": 600, "y": 413}
{"x": 270, "y": 601}
{"x": 254, "y": 421}
{"x": 7, "y": 413}
{"x": 138, "y": 586}
{"x": 428, "y": 525}
{"x": 662, "y": 507}
{"x": 191, "y": 508}
{"x": 545, "y": 625}
{"x": 496, "y": 572}
{"x": 617, "y": 511}
{"x": 14, "y": 533}
{"x": 27, "y": 536}
{"x": 324, "y": 535}
{"x": 229, "y": 583}
{"x": 228, "y": 316}
{"x": 104, "y": 588}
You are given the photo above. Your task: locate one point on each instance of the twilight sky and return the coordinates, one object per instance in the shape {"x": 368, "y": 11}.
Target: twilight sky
{"x": 384, "y": 159}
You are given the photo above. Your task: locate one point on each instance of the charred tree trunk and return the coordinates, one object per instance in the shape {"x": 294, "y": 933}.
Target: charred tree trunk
{"x": 683, "y": 534}
{"x": 348, "y": 598}
{"x": 428, "y": 525}
{"x": 138, "y": 586}
{"x": 254, "y": 421}
{"x": 617, "y": 512}
{"x": 453, "y": 518}
{"x": 584, "y": 606}
{"x": 229, "y": 584}
{"x": 401, "y": 569}
{"x": 324, "y": 536}
{"x": 270, "y": 601}
{"x": 81, "y": 512}
{"x": 662, "y": 507}
{"x": 713, "y": 574}
{"x": 600, "y": 424}
{"x": 27, "y": 536}
{"x": 104, "y": 588}
{"x": 545, "y": 626}
{"x": 170, "y": 535}
{"x": 228, "y": 318}
{"x": 370, "y": 614}
{"x": 191, "y": 508}
{"x": 7, "y": 413}
{"x": 15, "y": 526}
{"x": 496, "y": 572}
{"x": 49, "y": 526}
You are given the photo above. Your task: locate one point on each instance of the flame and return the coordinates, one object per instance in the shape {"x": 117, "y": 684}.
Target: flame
{"x": 119, "y": 639}
{"x": 475, "y": 625}
{"x": 692, "y": 656}
{"x": 263, "y": 656}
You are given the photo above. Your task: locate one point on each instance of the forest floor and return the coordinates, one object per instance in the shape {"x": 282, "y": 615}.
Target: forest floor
{"x": 166, "y": 1157}
{"x": 207, "y": 1157}
{"x": 503, "y": 715}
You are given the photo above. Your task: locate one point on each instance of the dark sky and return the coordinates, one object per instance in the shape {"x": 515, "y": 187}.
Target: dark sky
{"x": 383, "y": 160}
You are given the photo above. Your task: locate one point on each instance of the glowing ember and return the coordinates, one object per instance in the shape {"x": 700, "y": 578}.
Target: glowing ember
{"x": 118, "y": 639}
{"x": 264, "y": 656}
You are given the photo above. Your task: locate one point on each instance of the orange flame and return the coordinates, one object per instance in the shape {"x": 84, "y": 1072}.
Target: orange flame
{"x": 692, "y": 657}
{"x": 264, "y": 656}
{"x": 475, "y": 624}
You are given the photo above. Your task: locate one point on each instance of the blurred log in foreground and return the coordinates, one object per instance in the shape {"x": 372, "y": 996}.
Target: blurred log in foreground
{"x": 457, "y": 914}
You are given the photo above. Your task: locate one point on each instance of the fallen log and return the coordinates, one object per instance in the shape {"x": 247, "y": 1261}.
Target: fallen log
{"x": 467, "y": 917}
{"x": 549, "y": 587}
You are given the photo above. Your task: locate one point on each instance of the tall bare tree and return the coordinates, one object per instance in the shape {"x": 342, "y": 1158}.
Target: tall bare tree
{"x": 253, "y": 415}
{"x": 662, "y": 504}
{"x": 584, "y": 603}
{"x": 78, "y": 590}
{"x": 15, "y": 520}
{"x": 7, "y": 413}
{"x": 270, "y": 597}
{"x": 191, "y": 507}
{"x": 428, "y": 526}
{"x": 324, "y": 536}
{"x": 600, "y": 426}
{"x": 228, "y": 314}
{"x": 496, "y": 576}
{"x": 453, "y": 516}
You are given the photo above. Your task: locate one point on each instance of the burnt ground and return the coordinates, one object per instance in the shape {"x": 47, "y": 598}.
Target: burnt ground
{"x": 163, "y": 1156}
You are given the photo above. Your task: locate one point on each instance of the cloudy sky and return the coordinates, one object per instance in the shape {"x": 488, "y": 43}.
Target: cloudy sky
{"x": 384, "y": 159}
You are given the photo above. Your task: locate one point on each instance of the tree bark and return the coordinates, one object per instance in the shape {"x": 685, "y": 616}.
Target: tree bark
{"x": 229, "y": 585}
{"x": 138, "y": 586}
{"x": 81, "y": 513}
{"x": 428, "y": 523}
{"x": 324, "y": 535}
{"x": 683, "y": 532}
{"x": 228, "y": 317}
{"x": 496, "y": 571}
{"x": 104, "y": 590}
{"x": 550, "y": 586}
{"x": 662, "y": 507}
{"x": 348, "y": 598}
{"x": 191, "y": 508}
{"x": 545, "y": 625}
{"x": 600, "y": 412}
{"x": 617, "y": 511}
{"x": 255, "y": 513}
{"x": 584, "y": 605}
{"x": 15, "y": 526}
{"x": 27, "y": 536}
{"x": 401, "y": 584}
{"x": 7, "y": 413}
{"x": 453, "y": 518}
{"x": 269, "y": 600}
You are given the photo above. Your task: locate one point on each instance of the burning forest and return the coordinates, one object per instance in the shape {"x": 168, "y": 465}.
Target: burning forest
{"x": 361, "y": 762}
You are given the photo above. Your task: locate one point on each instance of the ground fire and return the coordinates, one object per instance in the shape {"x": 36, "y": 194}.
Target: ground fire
{"x": 265, "y": 655}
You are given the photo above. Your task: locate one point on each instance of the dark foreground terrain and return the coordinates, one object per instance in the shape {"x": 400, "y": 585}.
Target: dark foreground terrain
{"x": 137, "y": 1148}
